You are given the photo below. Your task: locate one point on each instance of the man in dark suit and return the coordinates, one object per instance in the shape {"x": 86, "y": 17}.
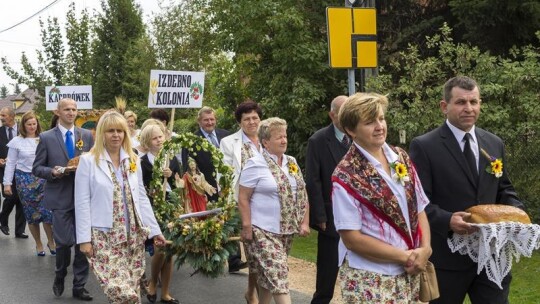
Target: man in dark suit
{"x": 324, "y": 151}
{"x": 452, "y": 171}
{"x": 7, "y": 132}
{"x": 56, "y": 147}
{"x": 207, "y": 129}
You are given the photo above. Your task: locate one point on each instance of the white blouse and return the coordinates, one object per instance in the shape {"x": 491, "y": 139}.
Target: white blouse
{"x": 264, "y": 203}
{"x": 350, "y": 214}
{"x": 21, "y": 155}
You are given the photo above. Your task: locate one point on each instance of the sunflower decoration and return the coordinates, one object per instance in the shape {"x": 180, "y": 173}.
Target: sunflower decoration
{"x": 495, "y": 166}
{"x": 79, "y": 144}
{"x": 204, "y": 243}
{"x": 401, "y": 174}
{"x": 132, "y": 166}
{"x": 293, "y": 168}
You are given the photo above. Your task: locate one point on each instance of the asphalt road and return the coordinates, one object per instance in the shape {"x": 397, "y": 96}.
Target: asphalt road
{"x": 26, "y": 278}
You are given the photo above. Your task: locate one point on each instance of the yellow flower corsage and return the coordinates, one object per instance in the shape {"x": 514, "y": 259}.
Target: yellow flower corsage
{"x": 132, "y": 166}
{"x": 496, "y": 165}
{"x": 293, "y": 168}
{"x": 401, "y": 174}
{"x": 79, "y": 144}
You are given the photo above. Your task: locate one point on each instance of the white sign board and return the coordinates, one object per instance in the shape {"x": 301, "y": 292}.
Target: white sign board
{"x": 176, "y": 89}
{"x": 81, "y": 94}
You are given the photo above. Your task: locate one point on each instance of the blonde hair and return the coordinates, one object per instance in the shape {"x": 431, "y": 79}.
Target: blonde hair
{"x": 361, "y": 107}
{"x": 128, "y": 114}
{"x": 112, "y": 120}
{"x": 153, "y": 121}
{"x": 268, "y": 125}
{"x": 147, "y": 134}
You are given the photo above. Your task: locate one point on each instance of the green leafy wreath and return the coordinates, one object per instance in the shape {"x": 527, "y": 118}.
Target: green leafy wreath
{"x": 203, "y": 243}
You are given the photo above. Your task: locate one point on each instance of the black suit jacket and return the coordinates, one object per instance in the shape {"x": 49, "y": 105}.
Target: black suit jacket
{"x": 147, "y": 170}
{"x": 450, "y": 186}
{"x": 3, "y": 148}
{"x": 204, "y": 160}
{"x": 324, "y": 152}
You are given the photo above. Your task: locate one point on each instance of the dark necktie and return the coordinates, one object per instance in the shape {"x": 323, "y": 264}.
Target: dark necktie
{"x": 70, "y": 147}
{"x": 213, "y": 139}
{"x": 346, "y": 141}
{"x": 469, "y": 155}
{"x": 10, "y": 133}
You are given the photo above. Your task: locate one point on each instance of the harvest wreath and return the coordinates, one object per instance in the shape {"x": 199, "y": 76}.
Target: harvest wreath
{"x": 205, "y": 243}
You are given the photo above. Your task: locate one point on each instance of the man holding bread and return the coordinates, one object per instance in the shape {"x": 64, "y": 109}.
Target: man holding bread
{"x": 451, "y": 162}
{"x": 56, "y": 162}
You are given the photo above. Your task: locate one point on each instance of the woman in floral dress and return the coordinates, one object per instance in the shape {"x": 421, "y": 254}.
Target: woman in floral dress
{"x": 113, "y": 214}
{"x": 378, "y": 205}
{"x": 273, "y": 205}
{"x": 21, "y": 155}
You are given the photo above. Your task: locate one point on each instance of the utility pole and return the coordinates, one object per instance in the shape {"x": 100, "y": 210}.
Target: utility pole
{"x": 351, "y": 81}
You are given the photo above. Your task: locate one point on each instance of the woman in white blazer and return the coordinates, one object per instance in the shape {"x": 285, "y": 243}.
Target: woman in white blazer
{"x": 113, "y": 214}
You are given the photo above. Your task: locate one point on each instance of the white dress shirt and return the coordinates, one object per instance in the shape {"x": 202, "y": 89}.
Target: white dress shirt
{"x": 264, "y": 203}
{"x": 350, "y": 214}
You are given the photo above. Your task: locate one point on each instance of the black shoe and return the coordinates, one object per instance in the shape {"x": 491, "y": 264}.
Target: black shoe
{"x": 21, "y": 235}
{"x": 58, "y": 287}
{"x": 171, "y": 301}
{"x": 237, "y": 267}
{"x": 152, "y": 298}
{"x": 4, "y": 229}
{"x": 82, "y": 294}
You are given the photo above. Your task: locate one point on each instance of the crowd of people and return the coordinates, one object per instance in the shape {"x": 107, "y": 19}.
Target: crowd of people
{"x": 381, "y": 213}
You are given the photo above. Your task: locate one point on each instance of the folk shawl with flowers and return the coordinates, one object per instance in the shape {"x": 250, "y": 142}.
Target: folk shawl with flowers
{"x": 361, "y": 180}
{"x": 292, "y": 211}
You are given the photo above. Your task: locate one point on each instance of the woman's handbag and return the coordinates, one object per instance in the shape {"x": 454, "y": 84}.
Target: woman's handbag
{"x": 429, "y": 288}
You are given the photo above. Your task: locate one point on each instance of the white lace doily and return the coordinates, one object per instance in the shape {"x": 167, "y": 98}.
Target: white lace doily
{"x": 495, "y": 246}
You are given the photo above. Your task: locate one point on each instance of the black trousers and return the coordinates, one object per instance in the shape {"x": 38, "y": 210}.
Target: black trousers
{"x": 453, "y": 285}
{"x": 80, "y": 265}
{"x": 11, "y": 201}
{"x": 327, "y": 268}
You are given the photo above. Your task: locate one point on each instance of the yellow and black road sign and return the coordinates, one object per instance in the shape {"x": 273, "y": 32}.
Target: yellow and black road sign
{"x": 352, "y": 37}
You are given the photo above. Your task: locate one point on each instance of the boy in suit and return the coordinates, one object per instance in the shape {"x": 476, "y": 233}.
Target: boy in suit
{"x": 56, "y": 147}
{"x": 452, "y": 171}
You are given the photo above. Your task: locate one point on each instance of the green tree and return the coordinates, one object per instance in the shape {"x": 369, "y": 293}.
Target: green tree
{"x": 118, "y": 28}
{"x": 496, "y": 25}
{"x": 52, "y": 55}
{"x": 4, "y": 91}
{"x": 79, "y": 55}
{"x": 16, "y": 88}
{"x": 280, "y": 60}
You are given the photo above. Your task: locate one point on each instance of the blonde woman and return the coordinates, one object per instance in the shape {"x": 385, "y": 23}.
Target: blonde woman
{"x": 113, "y": 214}
{"x": 274, "y": 207}
{"x": 131, "y": 118}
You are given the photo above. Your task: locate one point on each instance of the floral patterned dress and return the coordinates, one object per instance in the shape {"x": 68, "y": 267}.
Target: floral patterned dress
{"x": 269, "y": 251}
{"x": 118, "y": 260}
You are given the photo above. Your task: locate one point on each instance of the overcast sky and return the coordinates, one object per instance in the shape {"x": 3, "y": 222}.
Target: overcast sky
{"x": 26, "y": 37}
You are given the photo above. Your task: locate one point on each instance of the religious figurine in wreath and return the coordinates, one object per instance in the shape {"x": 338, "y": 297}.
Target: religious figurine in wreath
{"x": 195, "y": 188}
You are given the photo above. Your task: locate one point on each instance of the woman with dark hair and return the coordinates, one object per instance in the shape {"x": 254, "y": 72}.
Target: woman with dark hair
{"x": 21, "y": 155}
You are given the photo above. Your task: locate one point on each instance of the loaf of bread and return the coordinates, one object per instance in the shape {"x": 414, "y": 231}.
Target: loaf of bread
{"x": 74, "y": 162}
{"x": 494, "y": 213}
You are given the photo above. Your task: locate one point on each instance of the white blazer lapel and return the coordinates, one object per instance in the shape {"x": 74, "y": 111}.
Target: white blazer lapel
{"x": 238, "y": 149}
{"x": 105, "y": 168}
